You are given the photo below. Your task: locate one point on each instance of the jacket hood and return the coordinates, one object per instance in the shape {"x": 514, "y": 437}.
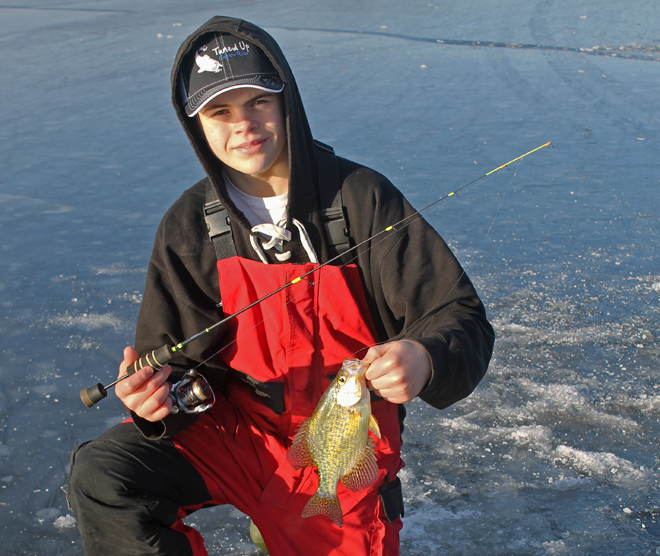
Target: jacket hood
{"x": 301, "y": 166}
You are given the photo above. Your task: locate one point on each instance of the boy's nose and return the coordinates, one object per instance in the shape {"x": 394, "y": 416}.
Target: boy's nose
{"x": 244, "y": 123}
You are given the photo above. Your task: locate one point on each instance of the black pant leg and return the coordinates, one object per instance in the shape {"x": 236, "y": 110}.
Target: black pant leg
{"x": 125, "y": 491}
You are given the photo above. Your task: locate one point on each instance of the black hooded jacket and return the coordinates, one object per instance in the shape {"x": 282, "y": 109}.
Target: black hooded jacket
{"x": 414, "y": 286}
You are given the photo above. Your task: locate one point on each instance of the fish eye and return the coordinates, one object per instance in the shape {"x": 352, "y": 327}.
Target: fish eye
{"x": 341, "y": 380}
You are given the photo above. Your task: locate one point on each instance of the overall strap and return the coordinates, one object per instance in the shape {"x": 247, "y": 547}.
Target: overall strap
{"x": 217, "y": 222}
{"x": 332, "y": 209}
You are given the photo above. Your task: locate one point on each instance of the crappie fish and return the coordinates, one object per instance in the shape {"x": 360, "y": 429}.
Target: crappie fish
{"x": 336, "y": 440}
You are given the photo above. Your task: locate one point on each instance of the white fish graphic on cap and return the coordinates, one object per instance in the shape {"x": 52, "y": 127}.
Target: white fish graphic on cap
{"x": 206, "y": 63}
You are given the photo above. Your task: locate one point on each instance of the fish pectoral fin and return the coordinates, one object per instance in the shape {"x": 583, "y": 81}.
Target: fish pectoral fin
{"x": 320, "y": 505}
{"x": 364, "y": 472}
{"x": 373, "y": 425}
{"x": 298, "y": 455}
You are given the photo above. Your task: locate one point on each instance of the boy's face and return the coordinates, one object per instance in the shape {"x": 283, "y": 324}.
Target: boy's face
{"x": 245, "y": 129}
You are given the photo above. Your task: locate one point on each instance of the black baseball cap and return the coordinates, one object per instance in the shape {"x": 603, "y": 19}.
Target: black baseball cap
{"x": 223, "y": 62}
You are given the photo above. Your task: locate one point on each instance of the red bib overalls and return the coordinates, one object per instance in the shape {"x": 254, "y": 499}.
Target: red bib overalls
{"x": 286, "y": 350}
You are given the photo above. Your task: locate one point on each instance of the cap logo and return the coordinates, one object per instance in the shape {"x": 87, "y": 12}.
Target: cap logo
{"x": 206, "y": 63}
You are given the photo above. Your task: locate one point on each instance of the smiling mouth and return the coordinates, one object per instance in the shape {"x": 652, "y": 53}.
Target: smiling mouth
{"x": 250, "y": 145}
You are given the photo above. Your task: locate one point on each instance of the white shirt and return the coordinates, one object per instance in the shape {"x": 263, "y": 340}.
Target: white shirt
{"x": 265, "y": 214}
{"x": 257, "y": 210}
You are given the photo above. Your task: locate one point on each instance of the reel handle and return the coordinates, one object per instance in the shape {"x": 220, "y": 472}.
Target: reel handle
{"x": 157, "y": 359}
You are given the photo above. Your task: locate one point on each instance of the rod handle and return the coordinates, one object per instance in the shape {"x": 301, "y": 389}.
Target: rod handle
{"x": 93, "y": 395}
{"x": 157, "y": 359}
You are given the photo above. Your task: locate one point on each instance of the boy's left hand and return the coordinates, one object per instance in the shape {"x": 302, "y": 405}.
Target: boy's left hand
{"x": 398, "y": 371}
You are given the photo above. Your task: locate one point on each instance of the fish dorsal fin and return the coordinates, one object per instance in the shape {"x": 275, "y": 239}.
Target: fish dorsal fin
{"x": 298, "y": 455}
{"x": 373, "y": 425}
{"x": 364, "y": 472}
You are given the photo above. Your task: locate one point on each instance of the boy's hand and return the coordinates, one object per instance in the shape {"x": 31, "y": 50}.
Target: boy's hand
{"x": 144, "y": 392}
{"x": 398, "y": 371}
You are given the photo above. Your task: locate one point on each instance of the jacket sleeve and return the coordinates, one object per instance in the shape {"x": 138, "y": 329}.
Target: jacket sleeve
{"x": 418, "y": 290}
{"x": 181, "y": 297}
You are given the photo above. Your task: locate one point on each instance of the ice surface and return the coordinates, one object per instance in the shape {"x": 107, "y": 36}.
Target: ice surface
{"x": 46, "y": 514}
{"x": 561, "y": 436}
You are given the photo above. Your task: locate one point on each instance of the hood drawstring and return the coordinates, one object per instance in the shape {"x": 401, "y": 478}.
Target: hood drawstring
{"x": 278, "y": 235}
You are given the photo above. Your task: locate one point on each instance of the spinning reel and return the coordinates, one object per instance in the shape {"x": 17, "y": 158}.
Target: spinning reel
{"x": 192, "y": 394}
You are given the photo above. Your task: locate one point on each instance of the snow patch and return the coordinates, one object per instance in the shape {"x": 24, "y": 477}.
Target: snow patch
{"x": 88, "y": 321}
{"x": 568, "y": 483}
{"x": 77, "y": 343}
{"x": 554, "y": 547}
{"x": 535, "y": 436}
{"x": 116, "y": 270}
{"x": 571, "y": 402}
{"x": 459, "y": 424}
{"x": 65, "y": 522}
{"x": 647, "y": 404}
{"x": 604, "y": 465}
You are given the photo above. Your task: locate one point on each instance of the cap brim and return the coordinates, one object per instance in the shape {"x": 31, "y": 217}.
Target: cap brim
{"x": 231, "y": 88}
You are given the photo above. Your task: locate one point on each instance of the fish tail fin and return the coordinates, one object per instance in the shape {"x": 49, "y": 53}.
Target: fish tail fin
{"x": 329, "y": 507}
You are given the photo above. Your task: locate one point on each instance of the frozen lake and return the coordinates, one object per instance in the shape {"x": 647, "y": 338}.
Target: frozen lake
{"x": 557, "y": 451}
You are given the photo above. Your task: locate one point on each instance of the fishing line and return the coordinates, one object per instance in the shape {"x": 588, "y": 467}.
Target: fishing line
{"x": 158, "y": 358}
{"x": 499, "y": 207}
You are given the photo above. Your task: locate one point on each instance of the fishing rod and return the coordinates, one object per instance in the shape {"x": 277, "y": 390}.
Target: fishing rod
{"x": 193, "y": 394}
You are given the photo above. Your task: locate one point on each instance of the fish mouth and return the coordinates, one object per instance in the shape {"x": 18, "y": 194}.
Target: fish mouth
{"x": 354, "y": 387}
{"x": 355, "y": 368}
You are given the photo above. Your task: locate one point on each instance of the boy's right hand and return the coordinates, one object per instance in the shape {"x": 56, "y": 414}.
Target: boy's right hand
{"x": 145, "y": 393}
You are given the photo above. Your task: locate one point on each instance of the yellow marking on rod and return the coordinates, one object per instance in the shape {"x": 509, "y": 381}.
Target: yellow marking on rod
{"x": 389, "y": 228}
{"x": 512, "y": 161}
{"x": 296, "y": 280}
{"x": 452, "y": 193}
{"x": 180, "y": 346}
{"x": 207, "y": 330}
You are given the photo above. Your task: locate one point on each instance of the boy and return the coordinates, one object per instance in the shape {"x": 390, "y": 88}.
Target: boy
{"x": 276, "y": 205}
